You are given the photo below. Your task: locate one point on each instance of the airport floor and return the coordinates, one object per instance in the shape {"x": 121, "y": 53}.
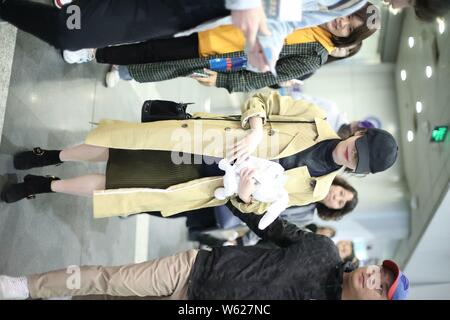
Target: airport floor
{"x": 52, "y": 104}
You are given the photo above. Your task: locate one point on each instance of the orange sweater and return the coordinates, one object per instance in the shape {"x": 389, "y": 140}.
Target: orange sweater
{"x": 228, "y": 38}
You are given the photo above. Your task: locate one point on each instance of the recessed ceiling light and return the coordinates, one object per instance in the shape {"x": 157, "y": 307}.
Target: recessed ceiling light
{"x": 441, "y": 25}
{"x": 419, "y": 106}
{"x": 403, "y": 75}
{"x": 410, "y": 136}
{"x": 428, "y": 71}
{"x": 411, "y": 42}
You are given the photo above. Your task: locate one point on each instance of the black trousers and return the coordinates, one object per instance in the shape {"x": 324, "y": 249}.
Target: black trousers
{"x": 197, "y": 220}
{"x": 108, "y": 22}
{"x": 155, "y": 50}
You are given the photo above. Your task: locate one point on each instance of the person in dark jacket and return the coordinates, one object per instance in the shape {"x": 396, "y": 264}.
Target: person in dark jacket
{"x": 93, "y": 24}
{"x": 306, "y": 266}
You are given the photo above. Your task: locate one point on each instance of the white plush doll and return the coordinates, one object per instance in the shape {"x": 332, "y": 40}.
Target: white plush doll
{"x": 270, "y": 180}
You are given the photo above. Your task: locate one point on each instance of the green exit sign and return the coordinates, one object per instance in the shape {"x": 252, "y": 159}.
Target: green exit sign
{"x": 439, "y": 134}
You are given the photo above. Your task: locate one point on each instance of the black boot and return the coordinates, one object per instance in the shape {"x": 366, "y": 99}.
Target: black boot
{"x": 31, "y": 186}
{"x": 36, "y": 158}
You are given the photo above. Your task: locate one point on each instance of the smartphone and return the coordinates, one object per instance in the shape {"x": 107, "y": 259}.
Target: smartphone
{"x": 200, "y": 75}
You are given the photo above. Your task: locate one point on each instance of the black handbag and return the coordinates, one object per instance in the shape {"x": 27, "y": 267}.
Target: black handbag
{"x": 155, "y": 110}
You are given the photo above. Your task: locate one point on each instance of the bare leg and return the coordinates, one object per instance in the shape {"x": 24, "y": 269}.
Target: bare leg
{"x": 85, "y": 152}
{"x": 81, "y": 186}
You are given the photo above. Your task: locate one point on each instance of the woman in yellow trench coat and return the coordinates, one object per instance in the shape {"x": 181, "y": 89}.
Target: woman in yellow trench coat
{"x": 271, "y": 127}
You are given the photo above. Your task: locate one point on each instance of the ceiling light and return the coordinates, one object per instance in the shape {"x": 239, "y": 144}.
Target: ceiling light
{"x": 411, "y": 42}
{"x": 410, "y": 136}
{"x": 441, "y": 25}
{"x": 428, "y": 71}
{"x": 403, "y": 75}
{"x": 419, "y": 106}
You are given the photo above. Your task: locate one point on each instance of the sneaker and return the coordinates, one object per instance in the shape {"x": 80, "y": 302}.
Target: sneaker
{"x": 79, "y": 56}
{"x": 12, "y": 288}
{"x": 61, "y": 3}
{"x": 112, "y": 77}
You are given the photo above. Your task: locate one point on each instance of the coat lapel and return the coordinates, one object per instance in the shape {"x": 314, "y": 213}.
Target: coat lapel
{"x": 304, "y": 189}
{"x": 323, "y": 185}
{"x": 298, "y": 143}
{"x": 324, "y": 130}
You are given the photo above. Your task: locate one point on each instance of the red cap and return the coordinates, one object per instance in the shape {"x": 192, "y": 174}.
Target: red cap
{"x": 400, "y": 286}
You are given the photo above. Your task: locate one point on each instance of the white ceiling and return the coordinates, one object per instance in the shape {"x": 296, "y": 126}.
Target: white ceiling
{"x": 426, "y": 164}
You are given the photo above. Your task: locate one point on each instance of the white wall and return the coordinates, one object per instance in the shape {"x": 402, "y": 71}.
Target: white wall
{"x": 430, "y": 292}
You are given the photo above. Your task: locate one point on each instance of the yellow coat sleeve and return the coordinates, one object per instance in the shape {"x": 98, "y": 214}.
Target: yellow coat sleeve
{"x": 255, "y": 207}
{"x": 254, "y": 107}
{"x": 279, "y": 107}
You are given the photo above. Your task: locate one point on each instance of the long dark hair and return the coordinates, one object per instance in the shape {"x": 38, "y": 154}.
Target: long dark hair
{"x": 429, "y": 10}
{"x": 326, "y": 213}
{"x": 364, "y": 31}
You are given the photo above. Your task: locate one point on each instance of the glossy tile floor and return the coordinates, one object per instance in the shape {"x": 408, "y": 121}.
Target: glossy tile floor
{"x": 52, "y": 104}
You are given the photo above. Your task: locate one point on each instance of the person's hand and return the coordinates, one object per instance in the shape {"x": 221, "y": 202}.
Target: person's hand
{"x": 247, "y": 184}
{"x": 257, "y": 59}
{"x": 210, "y": 81}
{"x": 250, "y": 21}
{"x": 242, "y": 150}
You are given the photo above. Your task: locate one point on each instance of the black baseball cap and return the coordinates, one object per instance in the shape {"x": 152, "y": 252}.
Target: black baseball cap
{"x": 377, "y": 151}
